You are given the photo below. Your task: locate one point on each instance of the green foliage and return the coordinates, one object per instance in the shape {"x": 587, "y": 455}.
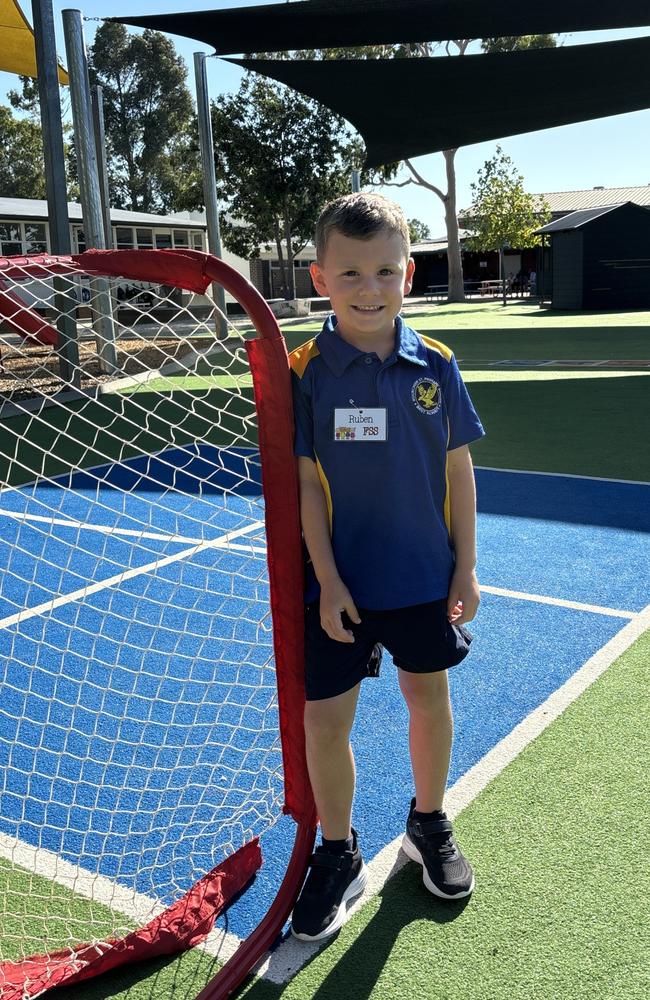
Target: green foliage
{"x": 26, "y": 99}
{"x": 280, "y": 158}
{"x": 518, "y": 43}
{"x": 153, "y": 158}
{"x": 502, "y": 213}
{"x": 21, "y": 157}
{"x": 418, "y": 231}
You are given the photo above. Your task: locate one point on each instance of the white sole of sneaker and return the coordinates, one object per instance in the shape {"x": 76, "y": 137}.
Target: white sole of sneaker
{"x": 354, "y": 889}
{"x": 412, "y": 852}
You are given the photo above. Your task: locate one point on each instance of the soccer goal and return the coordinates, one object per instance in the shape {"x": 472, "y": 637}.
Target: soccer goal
{"x": 151, "y": 687}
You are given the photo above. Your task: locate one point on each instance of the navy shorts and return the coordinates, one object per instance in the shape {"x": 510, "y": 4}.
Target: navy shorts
{"x": 420, "y": 639}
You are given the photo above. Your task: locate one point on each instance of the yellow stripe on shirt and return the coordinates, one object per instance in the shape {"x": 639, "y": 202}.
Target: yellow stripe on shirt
{"x": 446, "y": 352}
{"x": 300, "y": 358}
{"x": 326, "y": 490}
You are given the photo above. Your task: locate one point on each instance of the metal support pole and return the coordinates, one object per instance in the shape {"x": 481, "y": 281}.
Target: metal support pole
{"x": 209, "y": 183}
{"x": 93, "y": 219}
{"x": 55, "y": 181}
{"x": 97, "y": 99}
{"x": 356, "y": 181}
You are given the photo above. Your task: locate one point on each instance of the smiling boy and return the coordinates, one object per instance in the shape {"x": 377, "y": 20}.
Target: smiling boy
{"x": 388, "y": 504}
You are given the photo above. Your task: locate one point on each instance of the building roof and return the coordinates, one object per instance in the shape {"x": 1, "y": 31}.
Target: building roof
{"x": 596, "y": 197}
{"x": 33, "y": 208}
{"x": 575, "y": 220}
{"x": 563, "y": 202}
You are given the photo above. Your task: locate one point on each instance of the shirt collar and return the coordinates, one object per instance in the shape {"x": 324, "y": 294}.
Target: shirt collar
{"x": 338, "y": 355}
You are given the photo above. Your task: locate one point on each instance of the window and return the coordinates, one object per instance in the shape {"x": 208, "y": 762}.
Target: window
{"x": 11, "y": 241}
{"x": 163, "y": 241}
{"x": 144, "y": 238}
{"x": 124, "y": 237}
{"x": 78, "y": 239}
{"x": 35, "y": 240}
{"x": 197, "y": 241}
{"x": 181, "y": 238}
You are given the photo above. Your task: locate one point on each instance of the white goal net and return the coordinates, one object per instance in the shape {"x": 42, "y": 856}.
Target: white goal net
{"x": 139, "y": 735}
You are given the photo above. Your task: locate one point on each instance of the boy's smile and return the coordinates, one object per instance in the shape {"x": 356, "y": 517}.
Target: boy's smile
{"x": 366, "y": 281}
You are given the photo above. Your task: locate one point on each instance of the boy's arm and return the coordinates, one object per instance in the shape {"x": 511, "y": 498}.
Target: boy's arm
{"x": 334, "y": 595}
{"x": 464, "y": 595}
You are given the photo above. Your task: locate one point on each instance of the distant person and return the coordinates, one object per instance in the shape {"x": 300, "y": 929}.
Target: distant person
{"x": 532, "y": 283}
{"x": 383, "y": 422}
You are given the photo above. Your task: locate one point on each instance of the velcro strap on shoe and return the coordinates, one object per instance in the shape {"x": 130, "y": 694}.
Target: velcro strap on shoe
{"x": 423, "y": 828}
{"x": 324, "y": 860}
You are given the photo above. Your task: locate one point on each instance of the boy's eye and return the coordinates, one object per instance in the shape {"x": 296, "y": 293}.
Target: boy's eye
{"x": 349, "y": 274}
{"x": 386, "y": 270}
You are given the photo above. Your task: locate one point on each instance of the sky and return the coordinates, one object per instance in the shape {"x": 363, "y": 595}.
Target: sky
{"x": 612, "y": 152}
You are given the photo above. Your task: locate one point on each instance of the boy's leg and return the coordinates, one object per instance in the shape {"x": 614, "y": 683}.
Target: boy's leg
{"x": 330, "y": 763}
{"x": 431, "y": 733}
{"x": 429, "y": 838}
{"x": 336, "y": 870}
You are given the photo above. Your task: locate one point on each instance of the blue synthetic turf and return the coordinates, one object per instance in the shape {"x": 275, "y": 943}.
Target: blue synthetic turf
{"x": 577, "y": 540}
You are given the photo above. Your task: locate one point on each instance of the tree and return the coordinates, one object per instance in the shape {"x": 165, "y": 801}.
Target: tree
{"x": 418, "y": 231}
{"x": 448, "y": 198}
{"x": 28, "y": 158}
{"x": 279, "y": 158}
{"x": 502, "y": 213}
{"x": 517, "y": 43}
{"x": 152, "y": 153}
{"x": 21, "y": 157}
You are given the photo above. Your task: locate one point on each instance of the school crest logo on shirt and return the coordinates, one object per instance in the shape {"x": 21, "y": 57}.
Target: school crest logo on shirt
{"x": 426, "y": 395}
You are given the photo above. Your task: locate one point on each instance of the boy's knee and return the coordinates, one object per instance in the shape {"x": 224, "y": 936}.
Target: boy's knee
{"x": 325, "y": 725}
{"x": 425, "y": 693}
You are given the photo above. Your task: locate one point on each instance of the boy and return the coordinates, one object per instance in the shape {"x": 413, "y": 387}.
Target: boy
{"x": 388, "y": 514}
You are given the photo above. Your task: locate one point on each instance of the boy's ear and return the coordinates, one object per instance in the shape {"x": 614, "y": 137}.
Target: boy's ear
{"x": 408, "y": 279}
{"x": 318, "y": 278}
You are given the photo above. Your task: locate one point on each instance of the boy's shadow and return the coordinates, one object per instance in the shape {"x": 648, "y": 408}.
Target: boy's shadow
{"x": 402, "y": 901}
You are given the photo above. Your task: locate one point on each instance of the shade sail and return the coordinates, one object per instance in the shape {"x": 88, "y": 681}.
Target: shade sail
{"x": 326, "y": 23}
{"x": 409, "y": 107}
{"x": 17, "y": 46}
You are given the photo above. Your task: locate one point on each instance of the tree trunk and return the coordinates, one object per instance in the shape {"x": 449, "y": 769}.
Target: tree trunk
{"x": 281, "y": 261}
{"x": 291, "y": 276}
{"x": 456, "y": 292}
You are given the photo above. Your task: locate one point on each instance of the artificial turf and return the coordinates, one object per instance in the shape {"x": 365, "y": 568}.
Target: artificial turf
{"x": 559, "y": 842}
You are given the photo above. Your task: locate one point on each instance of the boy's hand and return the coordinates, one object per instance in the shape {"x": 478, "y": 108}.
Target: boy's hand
{"x": 335, "y": 598}
{"x": 464, "y": 597}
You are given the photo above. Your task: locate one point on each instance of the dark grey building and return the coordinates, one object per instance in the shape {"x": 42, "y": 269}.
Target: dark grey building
{"x": 597, "y": 259}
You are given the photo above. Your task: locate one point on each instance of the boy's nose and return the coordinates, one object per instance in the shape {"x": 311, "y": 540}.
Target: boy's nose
{"x": 369, "y": 286}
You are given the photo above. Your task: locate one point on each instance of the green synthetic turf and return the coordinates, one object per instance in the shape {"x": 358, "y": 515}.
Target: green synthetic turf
{"x": 581, "y": 422}
{"x": 559, "y": 842}
{"x": 39, "y": 915}
{"x": 575, "y": 423}
{"x": 517, "y": 320}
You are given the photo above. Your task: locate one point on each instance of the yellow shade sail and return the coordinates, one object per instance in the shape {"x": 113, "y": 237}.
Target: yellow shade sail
{"x": 17, "y": 45}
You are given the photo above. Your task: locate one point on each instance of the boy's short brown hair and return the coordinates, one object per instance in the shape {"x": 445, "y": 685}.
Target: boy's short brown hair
{"x": 360, "y": 216}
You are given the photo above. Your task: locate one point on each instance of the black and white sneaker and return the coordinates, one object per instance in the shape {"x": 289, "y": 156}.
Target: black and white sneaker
{"x": 429, "y": 840}
{"x": 333, "y": 880}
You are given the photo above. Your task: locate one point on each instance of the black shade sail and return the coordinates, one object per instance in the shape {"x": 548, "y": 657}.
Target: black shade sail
{"x": 410, "y": 107}
{"x": 326, "y": 23}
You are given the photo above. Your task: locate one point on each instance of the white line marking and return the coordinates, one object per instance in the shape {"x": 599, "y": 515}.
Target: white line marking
{"x": 127, "y": 532}
{"x": 105, "y": 529}
{"x": 564, "y": 475}
{"x": 136, "y": 907}
{"x": 83, "y": 592}
{"x": 575, "y": 605}
{"x": 284, "y": 963}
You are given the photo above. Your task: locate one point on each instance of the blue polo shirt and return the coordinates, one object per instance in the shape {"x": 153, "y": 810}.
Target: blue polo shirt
{"x": 386, "y": 488}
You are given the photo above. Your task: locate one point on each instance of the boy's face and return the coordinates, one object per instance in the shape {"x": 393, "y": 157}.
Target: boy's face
{"x": 366, "y": 281}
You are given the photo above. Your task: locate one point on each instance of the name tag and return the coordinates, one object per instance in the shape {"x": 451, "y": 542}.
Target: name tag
{"x": 357, "y": 424}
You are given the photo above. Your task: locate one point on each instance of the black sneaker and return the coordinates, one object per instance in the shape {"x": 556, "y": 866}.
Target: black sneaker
{"x": 430, "y": 842}
{"x": 333, "y": 879}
